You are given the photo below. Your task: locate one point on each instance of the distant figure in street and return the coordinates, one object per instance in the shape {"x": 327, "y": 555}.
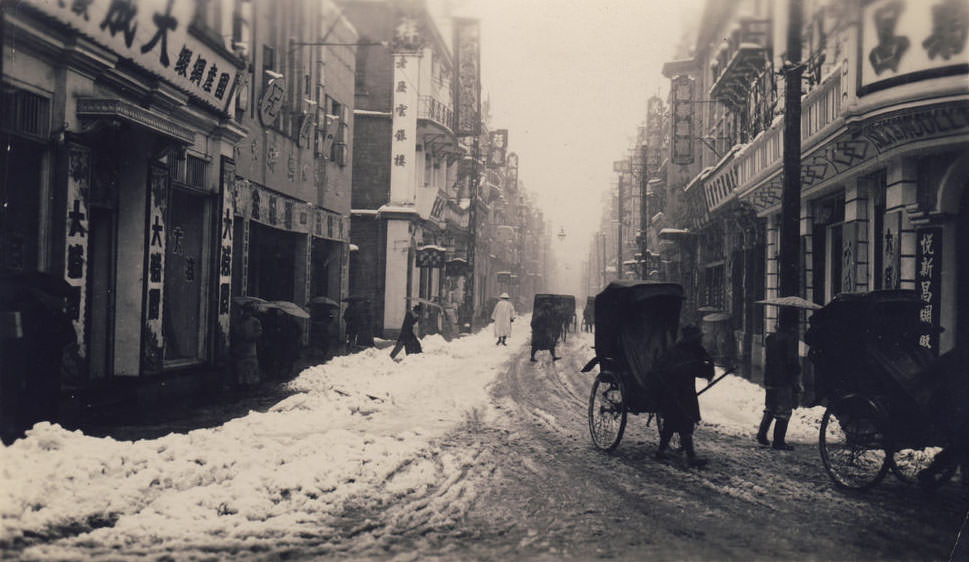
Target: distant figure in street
{"x": 782, "y": 381}
{"x": 503, "y": 315}
{"x": 407, "y": 339}
{"x": 588, "y": 316}
{"x": 686, "y": 361}
{"x": 545, "y": 330}
{"x": 246, "y": 333}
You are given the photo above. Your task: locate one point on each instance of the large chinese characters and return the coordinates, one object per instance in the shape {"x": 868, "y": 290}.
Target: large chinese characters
{"x": 154, "y": 34}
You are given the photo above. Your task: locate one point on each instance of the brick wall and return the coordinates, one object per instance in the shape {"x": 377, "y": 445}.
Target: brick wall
{"x": 367, "y": 264}
{"x": 371, "y": 161}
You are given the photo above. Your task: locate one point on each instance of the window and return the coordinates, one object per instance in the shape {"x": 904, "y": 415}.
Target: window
{"x": 26, "y": 114}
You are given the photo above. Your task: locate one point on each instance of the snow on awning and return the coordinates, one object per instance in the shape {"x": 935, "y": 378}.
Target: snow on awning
{"x": 671, "y": 233}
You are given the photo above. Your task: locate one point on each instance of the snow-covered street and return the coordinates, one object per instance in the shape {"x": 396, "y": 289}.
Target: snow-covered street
{"x": 464, "y": 451}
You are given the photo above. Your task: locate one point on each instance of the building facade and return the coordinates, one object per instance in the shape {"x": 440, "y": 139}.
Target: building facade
{"x": 291, "y": 232}
{"x": 883, "y": 148}
{"x": 404, "y": 160}
{"x": 121, "y": 133}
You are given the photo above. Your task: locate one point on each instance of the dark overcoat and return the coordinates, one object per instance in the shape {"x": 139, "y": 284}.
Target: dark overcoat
{"x": 678, "y": 369}
{"x": 544, "y": 328}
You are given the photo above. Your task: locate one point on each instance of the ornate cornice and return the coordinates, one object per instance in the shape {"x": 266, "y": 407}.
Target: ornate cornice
{"x": 94, "y": 107}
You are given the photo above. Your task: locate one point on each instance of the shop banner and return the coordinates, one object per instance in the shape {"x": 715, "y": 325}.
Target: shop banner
{"x": 928, "y": 282}
{"x": 227, "y": 219}
{"x": 153, "y": 337}
{"x": 403, "y": 153}
{"x": 76, "y": 246}
{"x": 467, "y": 46}
{"x": 155, "y": 35}
{"x": 904, "y": 41}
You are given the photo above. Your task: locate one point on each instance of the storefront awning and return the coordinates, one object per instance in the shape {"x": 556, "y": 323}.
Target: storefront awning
{"x": 96, "y": 108}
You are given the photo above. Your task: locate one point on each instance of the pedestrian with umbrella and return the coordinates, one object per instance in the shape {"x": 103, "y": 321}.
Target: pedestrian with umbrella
{"x": 246, "y": 334}
{"x": 782, "y": 376}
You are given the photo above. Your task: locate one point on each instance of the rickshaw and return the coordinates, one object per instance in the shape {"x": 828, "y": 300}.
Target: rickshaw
{"x": 636, "y": 322}
{"x": 564, "y": 311}
{"x": 890, "y": 405}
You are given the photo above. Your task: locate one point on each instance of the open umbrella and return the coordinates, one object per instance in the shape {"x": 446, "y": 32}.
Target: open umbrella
{"x": 324, "y": 300}
{"x": 290, "y": 308}
{"x": 426, "y": 302}
{"x": 243, "y": 300}
{"x": 791, "y": 301}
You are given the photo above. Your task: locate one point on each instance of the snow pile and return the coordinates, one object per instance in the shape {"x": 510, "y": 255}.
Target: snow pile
{"x": 735, "y": 405}
{"x": 357, "y": 424}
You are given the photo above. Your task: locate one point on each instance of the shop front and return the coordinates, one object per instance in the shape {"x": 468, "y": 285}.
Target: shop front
{"x": 115, "y": 182}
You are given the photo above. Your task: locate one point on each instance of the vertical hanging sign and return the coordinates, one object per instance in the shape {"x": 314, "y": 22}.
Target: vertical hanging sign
{"x": 153, "y": 338}
{"x": 76, "y": 246}
{"x": 467, "y": 43}
{"x": 928, "y": 283}
{"x": 403, "y": 144}
{"x": 226, "y": 225}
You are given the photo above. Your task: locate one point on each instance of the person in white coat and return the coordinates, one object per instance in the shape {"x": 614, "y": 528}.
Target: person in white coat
{"x": 503, "y": 315}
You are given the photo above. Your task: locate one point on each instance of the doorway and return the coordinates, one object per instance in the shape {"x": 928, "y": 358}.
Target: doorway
{"x": 101, "y": 293}
{"x": 962, "y": 274}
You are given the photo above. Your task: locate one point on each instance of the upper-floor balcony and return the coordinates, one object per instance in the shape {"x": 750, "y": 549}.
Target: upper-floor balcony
{"x": 741, "y": 57}
{"x": 433, "y": 109}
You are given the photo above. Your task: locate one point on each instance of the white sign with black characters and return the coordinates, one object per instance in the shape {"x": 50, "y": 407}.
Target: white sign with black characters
{"x": 155, "y": 35}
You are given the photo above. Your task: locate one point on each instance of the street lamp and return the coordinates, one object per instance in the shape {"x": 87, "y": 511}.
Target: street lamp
{"x": 562, "y": 234}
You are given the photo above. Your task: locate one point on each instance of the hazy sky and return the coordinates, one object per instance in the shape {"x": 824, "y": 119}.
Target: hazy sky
{"x": 569, "y": 79}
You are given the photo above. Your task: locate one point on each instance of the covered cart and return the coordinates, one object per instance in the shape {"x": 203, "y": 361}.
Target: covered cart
{"x": 636, "y": 322}
{"x": 889, "y": 401}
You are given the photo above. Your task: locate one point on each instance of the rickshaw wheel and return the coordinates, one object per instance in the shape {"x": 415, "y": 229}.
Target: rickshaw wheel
{"x": 906, "y": 464}
{"x": 853, "y": 443}
{"x": 607, "y": 411}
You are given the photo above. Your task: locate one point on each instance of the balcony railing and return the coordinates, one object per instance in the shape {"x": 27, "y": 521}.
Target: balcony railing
{"x": 435, "y": 110}
{"x": 740, "y": 58}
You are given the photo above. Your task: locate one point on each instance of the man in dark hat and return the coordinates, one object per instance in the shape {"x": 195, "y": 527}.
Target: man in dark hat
{"x": 678, "y": 405}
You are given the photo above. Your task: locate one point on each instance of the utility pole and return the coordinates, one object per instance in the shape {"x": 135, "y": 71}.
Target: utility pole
{"x": 643, "y": 211}
{"x": 602, "y": 258}
{"x": 619, "y": 210}
{"x": 791, "y": 194}
{"x": 472, "y": 216}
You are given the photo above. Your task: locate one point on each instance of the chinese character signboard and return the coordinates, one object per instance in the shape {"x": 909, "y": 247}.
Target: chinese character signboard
{"x": 467, "y": 44}
{"x": 76, "y": 247}
{"x": 681, "y": 149}
{"x": 403, "y": 144}
{"x": 928, "y": 283}
{"x": 499, "y": 145}
{"x": 155, "y": 35}
{"x": 272, "y": 101}
{"x": 156, "y": 236}
{"x": 908, "y": 40}
{"x": 226, "y": 224}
